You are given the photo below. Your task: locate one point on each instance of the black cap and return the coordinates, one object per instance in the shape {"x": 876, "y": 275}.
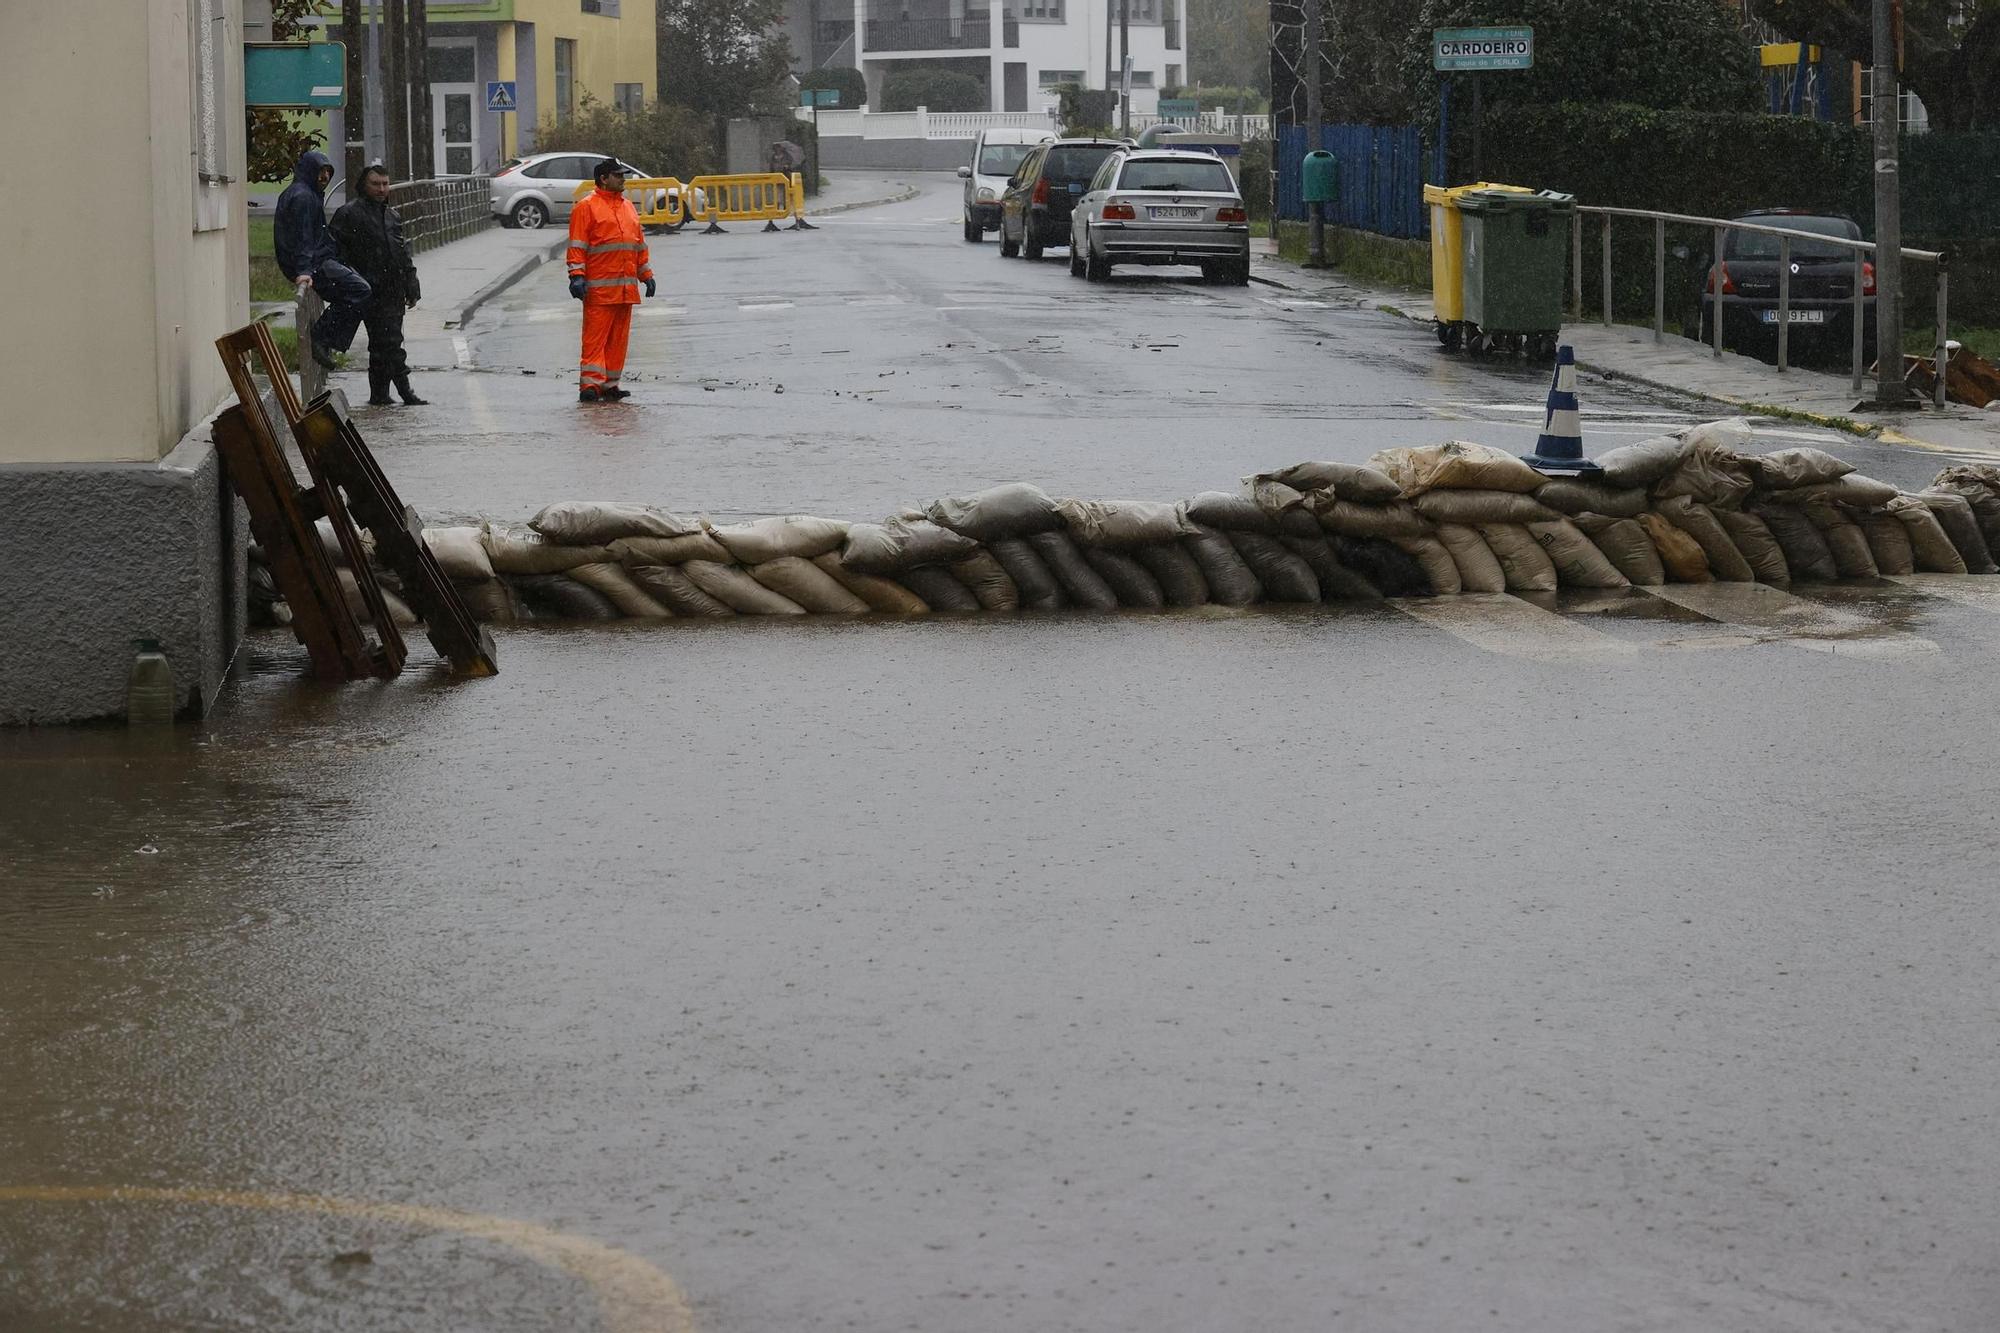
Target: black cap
{"x": 608, "y": 167}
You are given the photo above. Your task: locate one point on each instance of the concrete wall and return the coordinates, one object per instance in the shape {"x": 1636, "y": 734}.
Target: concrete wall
{"x": 894, "y": 154}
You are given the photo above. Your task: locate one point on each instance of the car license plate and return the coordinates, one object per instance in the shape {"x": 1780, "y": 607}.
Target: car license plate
{"x": 1798, "y": 317}
{"x": 1181, "y": 214}
{"x": 1076, "y": 187}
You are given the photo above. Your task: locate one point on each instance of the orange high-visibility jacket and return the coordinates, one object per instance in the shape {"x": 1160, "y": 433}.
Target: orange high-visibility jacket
{"x": 607, "y": 249}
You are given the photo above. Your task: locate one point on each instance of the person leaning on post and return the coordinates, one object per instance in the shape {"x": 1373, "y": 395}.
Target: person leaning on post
{"x": 306, "y": 256}
{"x": 369, "y": 234}
{"x": 608, "y": 263}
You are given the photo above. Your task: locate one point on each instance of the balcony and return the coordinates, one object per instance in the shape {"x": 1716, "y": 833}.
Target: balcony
{"x": 929, "y": 34}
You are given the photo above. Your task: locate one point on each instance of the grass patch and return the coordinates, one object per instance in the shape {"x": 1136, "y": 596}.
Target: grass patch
{"x": 1379, "y": 261}
{"x": 1260, "y": 228}
{"x": 1981, "y": 342}
{"x": 287, "y": 339}
{"x": 267, "y": 283}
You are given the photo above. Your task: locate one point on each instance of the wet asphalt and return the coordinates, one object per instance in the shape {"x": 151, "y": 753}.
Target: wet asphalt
{"x": 1596, "y": 962}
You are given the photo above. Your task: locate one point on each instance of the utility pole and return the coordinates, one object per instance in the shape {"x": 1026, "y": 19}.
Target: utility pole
{"x": 1888, "y": 214}
{"x": 421, "y": 139}
{"x": 395, "y": 91}
{"x": 354, "y": 116}
{"x": 1316, "y": 254}
{"x": 1125, "y": 67}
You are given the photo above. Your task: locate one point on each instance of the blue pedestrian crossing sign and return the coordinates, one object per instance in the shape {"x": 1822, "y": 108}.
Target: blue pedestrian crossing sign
{"x": 500, "y": 96}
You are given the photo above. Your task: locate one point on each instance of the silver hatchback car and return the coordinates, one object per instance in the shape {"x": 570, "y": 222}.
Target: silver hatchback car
{"x": 1162, "y": 206}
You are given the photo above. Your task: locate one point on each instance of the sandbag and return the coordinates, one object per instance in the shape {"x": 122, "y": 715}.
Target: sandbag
{"x": 1126, "y": 578}
{"x": 1888, "y": 542}
{"x": 939, "y": 589}
{"x": 1273, "y": 497}
{"x": 1984, "y": 499}
{"x": 1467, "y": 507}
{"x": 1578, "y": 562}
{"x": 1935, "y": 553}
{"x": 1699, "y": 522}
{"x": 1578, "y": 495}
{"x": 1229, "y": 579}
{"x": 901, "y": 543}
{"x": 618, "y": 588}
{"x": 490, "y": 601}
{"x": 1851, "y": 557}
{"x": 885, "y": 596}
{"x": 399, "y": 610}
{"x": 512, "y": 549}
{"x": 1284, "y": 576}
{"x": 630, "y": 551}
{"x": 599, "y": 523}
{"x": 1790, "y": 469}
{"x": 1852, "y": 489}
{"x": 1681, "y": 556}
{"x": 1395, "y": 572}
{"x": 558, "y": 597}
{"x": 1350, "y": 481}
{"x": 1524, "y": 565}
{"x": 1478, "y": 570}
{"x": 736, "y": 589}
{"x": 1642, "y": 464}
{"x": 986, "y": 579}
{"x": 1760, "y": 549}
{"x": 1176, "y": 572}
{"x": 1456, "y": 464}
{"x": 996, "y": 513}
{"x": 1440, "y": 570}
{"x": 1123, "y": 524}
{"x": 1081, "y": 584}
{"x": 459, "y": 553}
{"x": 1710, "y": 471}
{"x": 1623, "y": 541}
{"x": 1231, "y": 513}
{"x": 1033, "y": 583}
{"x": 1397, "y": 518}
{"x": 764, "y": 539}
{"x": 1337, "y": 583}
{"x": 1954, "y": 515}
{"x": 1806, "y": 551}
{"x": 800, "y": 580}
{"x": 675, "y": 591}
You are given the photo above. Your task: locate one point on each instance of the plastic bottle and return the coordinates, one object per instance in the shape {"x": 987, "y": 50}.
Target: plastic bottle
{"x": 149, "y": 689}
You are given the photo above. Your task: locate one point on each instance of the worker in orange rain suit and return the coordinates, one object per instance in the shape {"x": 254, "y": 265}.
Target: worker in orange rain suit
{"x": 608, "y": 262}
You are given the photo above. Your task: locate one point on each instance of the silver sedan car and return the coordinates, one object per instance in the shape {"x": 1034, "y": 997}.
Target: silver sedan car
{"x": 1161, "y": 206}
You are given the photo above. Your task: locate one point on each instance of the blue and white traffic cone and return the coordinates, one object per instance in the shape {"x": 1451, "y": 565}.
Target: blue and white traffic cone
{"x": 1560, "y": 449}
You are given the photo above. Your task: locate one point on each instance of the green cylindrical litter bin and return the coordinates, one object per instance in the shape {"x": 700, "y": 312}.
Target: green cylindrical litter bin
{"x": 1515, "y": 260}
{"x": 1320, "y": 180}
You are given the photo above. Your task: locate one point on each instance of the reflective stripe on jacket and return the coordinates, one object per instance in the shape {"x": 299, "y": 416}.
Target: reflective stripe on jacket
{"x": 607, "y": 249}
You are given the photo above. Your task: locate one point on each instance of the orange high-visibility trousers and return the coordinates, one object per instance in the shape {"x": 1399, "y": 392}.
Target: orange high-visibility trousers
{"x": 606, "y": 328}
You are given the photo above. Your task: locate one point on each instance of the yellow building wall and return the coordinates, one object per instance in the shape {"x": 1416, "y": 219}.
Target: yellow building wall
{"x": 609, "y": 51}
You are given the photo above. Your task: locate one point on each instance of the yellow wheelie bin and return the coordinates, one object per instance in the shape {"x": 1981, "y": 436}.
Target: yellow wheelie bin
{"x": 1448, "y": 257}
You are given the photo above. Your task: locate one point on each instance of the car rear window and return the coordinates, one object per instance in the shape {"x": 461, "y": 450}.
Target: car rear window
{"x": 1000, "y": 159}
{"x": 1077, "y": 162}
{"x": 1186, "y": 175}
{"x": 1753, "y": 245}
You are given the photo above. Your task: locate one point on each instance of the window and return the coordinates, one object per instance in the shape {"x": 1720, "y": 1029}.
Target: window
{"x": 1044, "y": 11}
{"x": 451, "y": 64}
{"x": 1142, "y": 78}
{"x": 609, "y": 8}
{"x": 559, "y": 169}
{"x": 1184, "y": 175}
{"x": 1075, "y": 162}
{"x": 1142, "y": 11}
{"x": 1173, "y": 76}
{"x": 629, "y": 97}
{"x": 565, "y": 79}
{"x": 1000, "y": 159}
{"x": 208, "y": 41}
{"x": 1051, "y": 79}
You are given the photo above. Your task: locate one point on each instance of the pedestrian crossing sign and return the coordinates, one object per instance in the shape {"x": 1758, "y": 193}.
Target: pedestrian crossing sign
{"x": 500, "y": 96}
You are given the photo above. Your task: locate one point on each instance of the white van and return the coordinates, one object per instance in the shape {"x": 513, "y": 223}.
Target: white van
{"x": 995, "y": 154}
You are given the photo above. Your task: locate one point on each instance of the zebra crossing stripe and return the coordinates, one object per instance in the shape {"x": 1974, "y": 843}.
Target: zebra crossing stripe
{"x": 1980, "y": 593}
{"x": 1498, "y": 623}
{"x": 1797, "y": 621}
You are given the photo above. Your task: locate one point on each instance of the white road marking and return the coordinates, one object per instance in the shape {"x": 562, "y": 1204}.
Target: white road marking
{"x": 1511, "y": 627}
{"x": 1979, "y": 591}
{"x": 766, "y": 305}
{"x": 1796, "y": 621}
{"x": 464, "y": 350}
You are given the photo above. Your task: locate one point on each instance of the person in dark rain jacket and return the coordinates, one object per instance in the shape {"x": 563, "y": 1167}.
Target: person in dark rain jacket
{"x": 369, "y": 236}
{"x": 306, "y": 255}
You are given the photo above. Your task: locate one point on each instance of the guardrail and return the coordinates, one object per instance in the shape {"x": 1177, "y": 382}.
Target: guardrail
{"x": 1721, "y": 227}
{"x": 437, "y": 211}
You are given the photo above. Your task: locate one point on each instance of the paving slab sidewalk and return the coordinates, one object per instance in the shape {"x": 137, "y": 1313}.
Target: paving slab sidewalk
{"x": 1682, "y": 366}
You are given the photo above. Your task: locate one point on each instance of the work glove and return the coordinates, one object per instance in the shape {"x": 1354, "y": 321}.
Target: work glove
{"x": 649, "y": 289}
{"x": 576, "y": 288}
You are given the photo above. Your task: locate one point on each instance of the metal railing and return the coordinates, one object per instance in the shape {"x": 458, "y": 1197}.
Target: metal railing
{"x": 938, "y": 34}
{"x": 438, "y": 211}
{"x": 1721, "y": 227}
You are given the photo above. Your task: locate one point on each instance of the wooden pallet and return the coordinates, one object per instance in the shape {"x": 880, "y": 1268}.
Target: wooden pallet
{"x": 346, "y": 484}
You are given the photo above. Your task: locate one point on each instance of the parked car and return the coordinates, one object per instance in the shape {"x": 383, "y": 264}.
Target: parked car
{"x": 532, "y": 192}
{"x": 1822, "y": 296}
{"x": 1161, "y": 206}
{"x": 995, "y": 155}
{"x": 1035, "y": 208}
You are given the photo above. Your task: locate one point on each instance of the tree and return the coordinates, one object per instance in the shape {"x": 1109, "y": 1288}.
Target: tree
{"x": 672, "y": 140}
{"x": 1228, "y": 43}
{"x": 276, "y": 138}
{"x": 1671, "y": 55}
{"x": 843, "y": 79}
{"x": 1951, "y": 49}
{"x": 937, "y": 89}
{"x": 724, "y": 58}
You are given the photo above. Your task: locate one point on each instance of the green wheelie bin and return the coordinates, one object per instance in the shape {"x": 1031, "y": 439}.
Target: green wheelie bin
{"x": 1515, "y": 260}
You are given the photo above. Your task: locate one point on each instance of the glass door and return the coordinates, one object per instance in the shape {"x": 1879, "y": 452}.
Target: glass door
{"x": 457, "y": 147}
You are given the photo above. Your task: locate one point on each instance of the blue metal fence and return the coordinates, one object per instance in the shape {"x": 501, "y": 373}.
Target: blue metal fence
{"x": 1381, "y": 178}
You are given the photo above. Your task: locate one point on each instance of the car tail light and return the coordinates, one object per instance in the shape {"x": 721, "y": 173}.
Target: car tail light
{"x": 1231, "y": 215}
{"x": 1119, "y": 213}
{"x": 1721, "y": 276}
{"x": 1868, "y": 279}
{"x": 1041, "y": 191}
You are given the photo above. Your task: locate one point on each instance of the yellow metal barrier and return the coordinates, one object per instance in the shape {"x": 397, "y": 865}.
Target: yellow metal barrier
{"x": 664, "y": 201}
{"x": 659, "y": 200}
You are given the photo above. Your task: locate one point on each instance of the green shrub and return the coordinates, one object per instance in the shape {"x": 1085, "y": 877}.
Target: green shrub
{"x": 935, "y": 89}
{"x": 663, "y": 137}
{"x": 847, "y": 81}
{"x": 1083, "y": 110}
{"x": 1254, "y": 173}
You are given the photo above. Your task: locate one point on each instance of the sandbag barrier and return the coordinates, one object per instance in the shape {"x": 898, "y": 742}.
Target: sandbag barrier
{"x": 1692, "y": 507}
